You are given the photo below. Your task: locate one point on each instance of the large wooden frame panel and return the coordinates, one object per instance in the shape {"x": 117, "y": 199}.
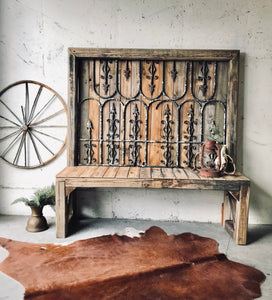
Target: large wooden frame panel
{"x": 76, "y": 54}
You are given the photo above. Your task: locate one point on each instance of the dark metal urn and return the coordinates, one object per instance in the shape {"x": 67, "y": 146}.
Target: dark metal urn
{"x": 36, "y": 221}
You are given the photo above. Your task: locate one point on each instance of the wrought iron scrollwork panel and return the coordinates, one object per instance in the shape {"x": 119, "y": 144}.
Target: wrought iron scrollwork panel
{"x": 146, "y": 107}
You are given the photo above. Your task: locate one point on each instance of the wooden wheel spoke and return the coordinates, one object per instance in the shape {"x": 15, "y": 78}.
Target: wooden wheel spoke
{"x": 11, "y": 112}
{"x": 11, "y": 144}
{"x": 43, "y": 108}
{"x": 2, "y": 117}
{"x": 48, "y": 118}
{"x": 42, "y": 143}
{"x": 35, "y": 148}
{"x": 10, "y": 135}
{"x": 33, "y": 108}
{"x": 18, "y": 153}
{"x": 48, "y": 135}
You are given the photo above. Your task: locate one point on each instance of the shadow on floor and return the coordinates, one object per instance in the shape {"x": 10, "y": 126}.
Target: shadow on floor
{"x": 256, "y": 233}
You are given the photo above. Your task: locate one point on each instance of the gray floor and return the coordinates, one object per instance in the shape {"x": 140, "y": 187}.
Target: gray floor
{"x": 257, "y": 253}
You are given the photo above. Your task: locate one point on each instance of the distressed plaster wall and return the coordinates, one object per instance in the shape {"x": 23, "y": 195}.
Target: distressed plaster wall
{"x": 35, "y": 35}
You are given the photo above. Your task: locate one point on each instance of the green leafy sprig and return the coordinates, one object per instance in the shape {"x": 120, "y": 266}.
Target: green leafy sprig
{"x": 40, "y": 198}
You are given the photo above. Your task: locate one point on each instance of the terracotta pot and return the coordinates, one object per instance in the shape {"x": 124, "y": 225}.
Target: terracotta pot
{"x": 36, "y": 221}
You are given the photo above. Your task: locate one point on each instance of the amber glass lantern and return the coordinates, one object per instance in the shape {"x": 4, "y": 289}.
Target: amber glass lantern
{"x": 210, "y": 159}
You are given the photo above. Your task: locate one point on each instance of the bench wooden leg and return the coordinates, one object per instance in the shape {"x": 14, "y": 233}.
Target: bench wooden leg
{"x": 61, "y": 210}
{"x": 241, "y": 219}
{"x": 235, "y": 214}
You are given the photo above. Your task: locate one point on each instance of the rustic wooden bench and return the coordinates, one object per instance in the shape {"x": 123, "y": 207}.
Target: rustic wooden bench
{"x": 138, "y": 118}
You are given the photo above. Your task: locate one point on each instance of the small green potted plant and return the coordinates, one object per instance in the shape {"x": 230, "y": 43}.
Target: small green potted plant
{"x": 40, "y": 198}
{"x": 215, "y": 135}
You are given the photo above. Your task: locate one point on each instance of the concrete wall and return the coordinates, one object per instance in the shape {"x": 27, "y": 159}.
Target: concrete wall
{"x": 35, "y": 35}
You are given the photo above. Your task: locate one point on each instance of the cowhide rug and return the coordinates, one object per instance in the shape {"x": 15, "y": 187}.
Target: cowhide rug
{"x": 154, "y": 266}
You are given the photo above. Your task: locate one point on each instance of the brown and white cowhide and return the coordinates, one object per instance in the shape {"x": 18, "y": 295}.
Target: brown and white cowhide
{"x": 154, "y": 266}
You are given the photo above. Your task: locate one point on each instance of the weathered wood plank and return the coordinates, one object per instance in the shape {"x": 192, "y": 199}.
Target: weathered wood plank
{"x": 134, "y": 172}
{"x": 64, "y": 172}
{"x": 121, "y": 180}
{"x": 72, "y": 116}
{"x": 71, "y": 172}
{"x": 241, "y": 219}
{"x": 156, "y": 54}
{"x": 233, "y": 82}
{"x": 83, "y": 78}
{"x": 90, "y": 170}
{"x": 168, "y": 173}
{"x": 156, "y": 173}
{"x": 111, "y": 172}
{"x": 100, "y": 171}
{"x": 226, "y": 213}
{"x": 179, "y": 173}
{"x": 145, "y": 172}
{"x": 191, "y": 174}
{"x": 61, "y": 210}
{"x": 122, "y": 172}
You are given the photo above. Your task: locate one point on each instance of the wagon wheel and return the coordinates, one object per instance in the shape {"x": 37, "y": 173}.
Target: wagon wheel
{"x": 33, "y": 124}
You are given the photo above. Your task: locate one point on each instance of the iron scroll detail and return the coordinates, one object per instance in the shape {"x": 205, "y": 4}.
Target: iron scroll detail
{"x": 167, "y": 129}
{"x": 112, "y": 135}
{"x": 134, "y": 146}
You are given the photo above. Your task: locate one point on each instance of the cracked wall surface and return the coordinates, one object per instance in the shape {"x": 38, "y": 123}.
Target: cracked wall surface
{"x": 35, "y": 35}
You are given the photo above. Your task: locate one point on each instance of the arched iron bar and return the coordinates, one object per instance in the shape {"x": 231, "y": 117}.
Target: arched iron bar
{"x": 190, "y": 143}
{"x": 140, "y": 80}
{"x": 199, "y": 102}
{"x": 89, "y": 98}
{"x": 112, "y": 100}
{"x": 101, "y": 122}
{"x": 124, "y": 123}
{"x": 94, "y": 87}
{"x": 117, "y": 83}
{"x": 185, "y": 84}
{"x": 166, "y": 100}
{"x": 178, "y": 124}
{"x": 225, "y": 117}
{"x": 214, "y": 83}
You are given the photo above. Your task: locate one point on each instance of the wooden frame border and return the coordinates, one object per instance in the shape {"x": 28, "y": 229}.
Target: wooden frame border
{"x": 75, "y": 54}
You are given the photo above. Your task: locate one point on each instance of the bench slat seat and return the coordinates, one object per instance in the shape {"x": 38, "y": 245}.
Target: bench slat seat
{"x": 151, "y": 177}
{"x": 71, "y": 178}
